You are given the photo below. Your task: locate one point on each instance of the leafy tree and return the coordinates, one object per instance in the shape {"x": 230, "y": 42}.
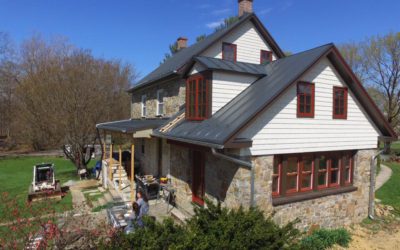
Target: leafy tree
{"x": 201, "y": 38}
{"x": 227, "y": 22}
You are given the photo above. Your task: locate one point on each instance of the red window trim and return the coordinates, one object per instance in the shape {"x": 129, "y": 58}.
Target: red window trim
{"x": 348, "y": 182}
{"x": 279, "y": 175}
{"x": 235, "y": 50}
{"x": 314, "y": 187}
{"x": 207, "y": 79}
{"x": 269, "y": 56}
{"x": 345, "y": 96}
{"x": 303, "y": 114}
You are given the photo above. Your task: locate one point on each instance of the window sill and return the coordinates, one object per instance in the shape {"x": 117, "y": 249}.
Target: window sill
{"x": 277, "y": 201}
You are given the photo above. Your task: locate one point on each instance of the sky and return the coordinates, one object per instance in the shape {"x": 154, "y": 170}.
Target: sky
{"x": 139, "y": 31}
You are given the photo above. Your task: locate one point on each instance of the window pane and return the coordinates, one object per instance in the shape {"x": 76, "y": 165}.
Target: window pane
{"x": 307, "y": 163}
{"x": 291, "y": 182}
{"x": 275, "y": 180}
{"x": 334, "y": 177}
{"x": 347, "y": 174}
{"x": 276, "y": 166}
{"x": 306, "y": 181}
{"x": 322, "y": 179}
{"x": 229, "y": 52}
{"x": 335, "y": 162}
{"x": 292, "y": 165}
{"x": 322, "y": 162}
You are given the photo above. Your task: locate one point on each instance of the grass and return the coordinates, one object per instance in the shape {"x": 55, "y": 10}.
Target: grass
{"x": 389, "y": 193}
{"x": 16, "y": 175}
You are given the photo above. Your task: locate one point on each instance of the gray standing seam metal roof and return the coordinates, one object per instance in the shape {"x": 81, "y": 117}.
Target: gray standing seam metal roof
{"x": 132, "y": 125}
{"x": 179, "y": 59}
{"x": 239, "y": 67}
{"x": 216, "y": 130}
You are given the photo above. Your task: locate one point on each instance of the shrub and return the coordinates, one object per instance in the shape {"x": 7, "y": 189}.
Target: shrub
{"x": 325, "y": 238}
{"x": 213, "y": 227}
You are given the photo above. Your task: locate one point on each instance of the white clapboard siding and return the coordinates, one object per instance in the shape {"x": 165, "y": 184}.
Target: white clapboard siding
{"x": 226, "y": 86}
{"x": 279, "y": 131}
{"x": 249, "y": 44}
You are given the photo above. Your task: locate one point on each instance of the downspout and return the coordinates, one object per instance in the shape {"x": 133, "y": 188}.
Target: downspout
{"x": 247, "y": 164}
{"x": 371, "y": 204}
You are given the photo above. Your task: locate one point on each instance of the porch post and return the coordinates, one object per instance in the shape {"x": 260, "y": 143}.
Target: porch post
{"x": 110, "y": 165}
{"x": 120, "y": 167}
{"x": 132, "y": 171}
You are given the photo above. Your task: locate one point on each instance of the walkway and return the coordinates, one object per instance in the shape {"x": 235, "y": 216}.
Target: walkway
{"x": 383, "y": 176}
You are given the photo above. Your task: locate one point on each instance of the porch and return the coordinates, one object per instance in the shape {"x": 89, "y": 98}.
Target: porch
{"x": 133, "y": 159}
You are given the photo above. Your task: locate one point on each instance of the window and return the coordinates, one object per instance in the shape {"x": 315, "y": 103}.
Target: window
{"x": 306, "y": 172}
{"x": 292, "y": 179}
{"x": 305, "y": 99}
{"x": 160, "y": 102}
{"x": 143, "y": 145}
{"x": 300, "y": 173}
{"x": 229, "y": 52}
{"x": 348, "y": 169}
{"x": 322, "y": 165}
{"x": 339, "y": 103}
{"x": 197, "y": 97}
{"x": 276, "y": 178}
{"x": 144, "y": 109}
{"x": 265, "y": 57}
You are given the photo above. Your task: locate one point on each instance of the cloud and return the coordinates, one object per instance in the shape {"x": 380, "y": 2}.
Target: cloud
{"x": 265, "y": 11}
{"x": 287, "y": 5}
{"x": 221, "y": 11}
{"x": 215, "y": 24}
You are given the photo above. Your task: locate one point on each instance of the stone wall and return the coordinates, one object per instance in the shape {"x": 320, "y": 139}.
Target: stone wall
{"x": 148, "y": 160}
{"x": 230, "y": 184}
{"x": 174, "y": 98}
{"x": 224, "y": 181}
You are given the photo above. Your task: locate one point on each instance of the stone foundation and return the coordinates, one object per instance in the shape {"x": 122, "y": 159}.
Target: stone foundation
{"x": 230, "y": 184}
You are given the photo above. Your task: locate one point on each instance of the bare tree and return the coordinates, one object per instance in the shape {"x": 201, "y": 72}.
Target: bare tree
{"x": 64, "y": 92}
{"x": 376, "y": 61}
{"x": 8, "y": 77}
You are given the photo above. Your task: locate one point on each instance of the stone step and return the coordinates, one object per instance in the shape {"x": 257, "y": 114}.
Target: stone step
{"x": 101, "y": 189}
{"x": 95, "y": 204}
{"x": 178, "y": 215}
{"x": 101, "y": 201}
{"x": 108, "y": 197}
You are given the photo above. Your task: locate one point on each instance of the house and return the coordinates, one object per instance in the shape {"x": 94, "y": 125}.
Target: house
{"x": 233, "y": 119}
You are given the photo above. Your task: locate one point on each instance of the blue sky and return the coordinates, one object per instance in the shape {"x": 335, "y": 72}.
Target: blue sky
{"x": 139, "y": 31}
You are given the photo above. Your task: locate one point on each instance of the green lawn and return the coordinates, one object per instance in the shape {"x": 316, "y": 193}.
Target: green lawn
{"x": 16, "y": 176}
{"x": 389, "y": 193}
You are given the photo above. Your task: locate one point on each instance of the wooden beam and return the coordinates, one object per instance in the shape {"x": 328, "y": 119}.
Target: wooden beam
{"x": 110, "y": 164}
{"x": 132, "y": 171}
{"x": 120, "y": 167}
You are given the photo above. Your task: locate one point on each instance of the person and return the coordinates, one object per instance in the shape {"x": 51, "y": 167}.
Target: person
{"x": 132, "y": 218}
{"x": 143, "y": 203}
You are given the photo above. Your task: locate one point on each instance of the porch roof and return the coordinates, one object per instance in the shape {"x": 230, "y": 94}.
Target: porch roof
{"x": 132, "y": 125}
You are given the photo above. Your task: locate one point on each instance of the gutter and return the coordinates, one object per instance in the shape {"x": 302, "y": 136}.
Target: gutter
{"x": 371, "y": 203}
{"x": 247, "y": 164}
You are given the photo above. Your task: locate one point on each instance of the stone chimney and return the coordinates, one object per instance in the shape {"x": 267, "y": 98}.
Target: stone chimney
{"x": 182, "y": 43}
{"x": 245, "y": 6}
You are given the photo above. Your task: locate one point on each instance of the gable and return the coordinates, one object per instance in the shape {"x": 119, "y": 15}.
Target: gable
{"x": 278, "y": 130}
{"x": 249, "y": 42}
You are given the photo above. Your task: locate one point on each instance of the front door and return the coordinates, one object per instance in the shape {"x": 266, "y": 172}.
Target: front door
{"x": 198, "y": 166}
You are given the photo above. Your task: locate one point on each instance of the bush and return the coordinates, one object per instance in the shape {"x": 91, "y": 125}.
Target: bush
{"x": 213, "y": 227}
{"x": 325, "y": 238}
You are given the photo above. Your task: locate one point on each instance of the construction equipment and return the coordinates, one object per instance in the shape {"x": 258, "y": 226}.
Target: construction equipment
{"x": 44, "y": 184}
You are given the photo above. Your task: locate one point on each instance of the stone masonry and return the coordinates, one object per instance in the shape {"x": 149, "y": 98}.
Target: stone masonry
{"x": 174, "y": 98}
{"x": 230, "y": 184}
